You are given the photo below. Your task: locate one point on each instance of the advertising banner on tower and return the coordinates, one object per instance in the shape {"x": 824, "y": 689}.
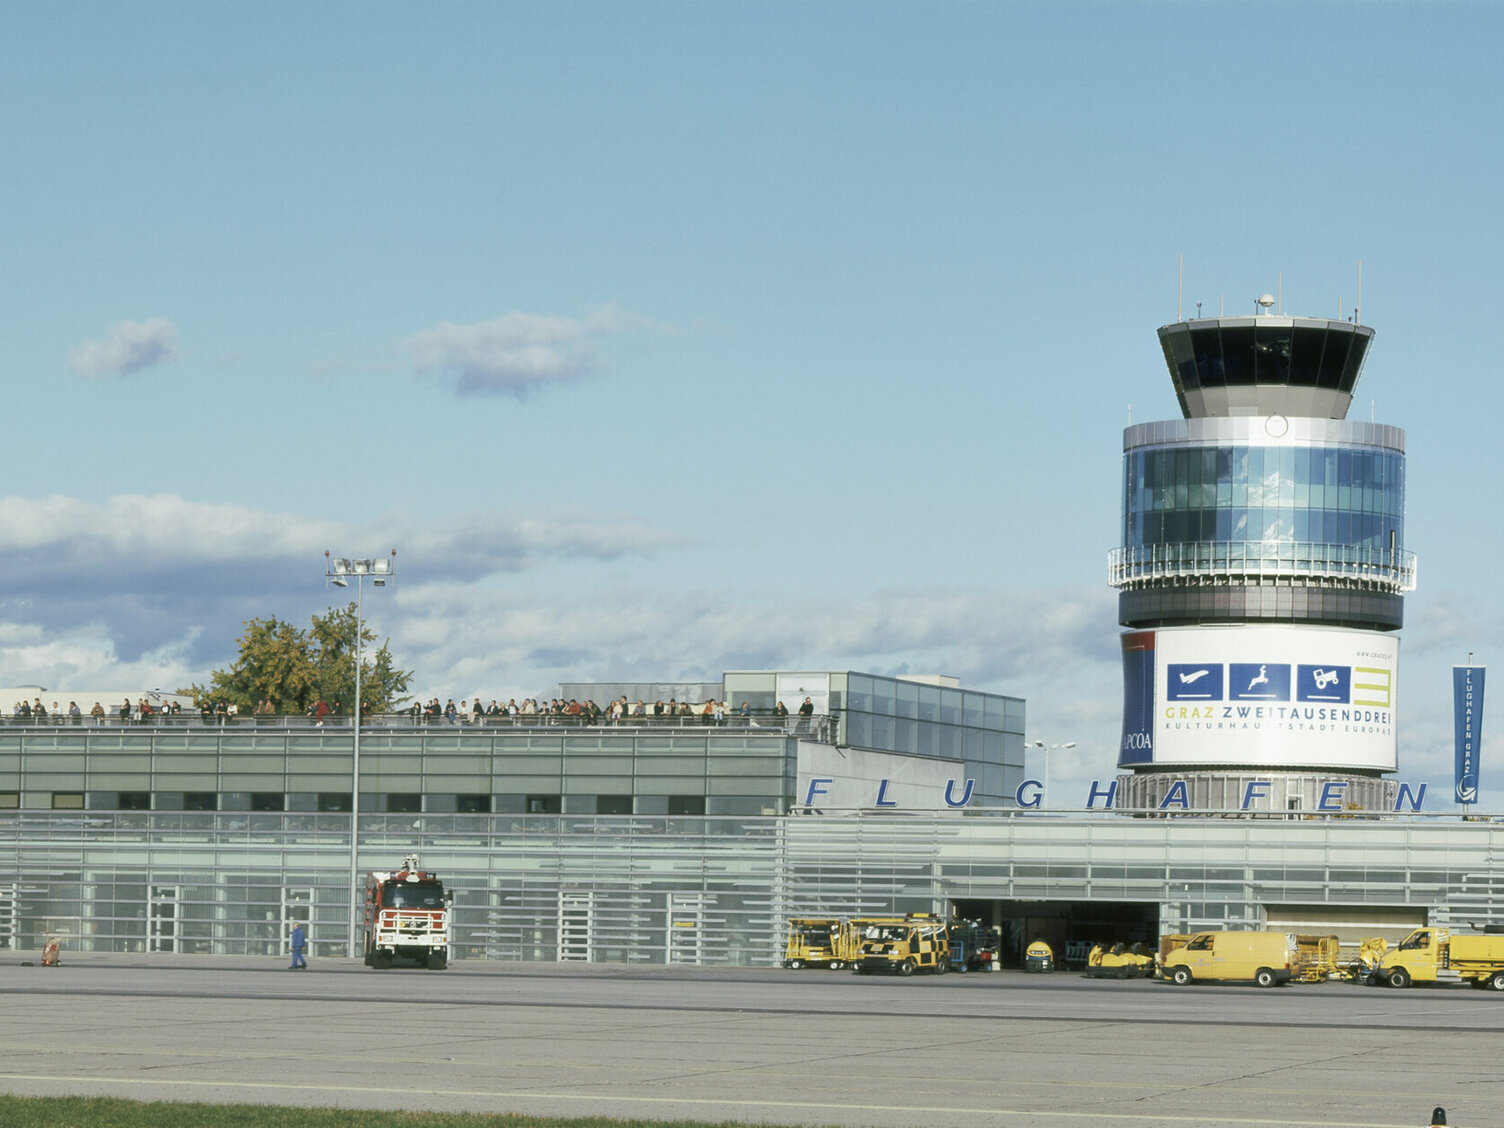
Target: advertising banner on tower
{"x": 1467, "y": 708}
{"x": 1275, "y": 696}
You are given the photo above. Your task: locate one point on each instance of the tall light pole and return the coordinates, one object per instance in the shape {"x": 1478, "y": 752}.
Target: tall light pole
{"x": 337, "y": 571}
{"x": 1047, "y": 749}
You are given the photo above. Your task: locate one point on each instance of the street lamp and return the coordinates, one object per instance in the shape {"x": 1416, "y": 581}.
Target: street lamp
{"x": 337, "y": 571}
{"x": 1047, "y": 749}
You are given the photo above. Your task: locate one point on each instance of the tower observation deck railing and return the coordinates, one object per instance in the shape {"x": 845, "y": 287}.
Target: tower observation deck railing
{"x": 1261, "y": 563}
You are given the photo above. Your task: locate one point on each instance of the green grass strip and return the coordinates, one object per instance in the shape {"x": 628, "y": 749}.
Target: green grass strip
{"x": 108, "y": 1112}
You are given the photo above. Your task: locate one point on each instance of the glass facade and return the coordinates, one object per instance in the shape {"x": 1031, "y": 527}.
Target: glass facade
{"x": 702, "y": 890}
{"x": 1353, "y": 497}
{"x": 1302, "y": 499}
{"x": 1229, "y": 352}
{"x": 917, "y": 718}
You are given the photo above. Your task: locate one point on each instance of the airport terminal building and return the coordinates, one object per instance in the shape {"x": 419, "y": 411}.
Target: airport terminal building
{"x": 1261, "y": 569}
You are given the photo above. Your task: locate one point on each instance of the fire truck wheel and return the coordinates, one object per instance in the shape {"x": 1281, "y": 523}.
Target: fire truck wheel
{"x": 381, "y": 960}
{"x": 437, "y": 960}
{"x": 906, "y": 968}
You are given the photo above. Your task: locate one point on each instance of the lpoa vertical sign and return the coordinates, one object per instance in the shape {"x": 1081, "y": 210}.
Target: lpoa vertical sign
{"x": 1467, "y": 713}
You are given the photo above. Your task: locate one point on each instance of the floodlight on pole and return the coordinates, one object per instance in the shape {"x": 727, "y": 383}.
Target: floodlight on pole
{"x": 1047, "y": 749}
{"x": 337, "y": 569}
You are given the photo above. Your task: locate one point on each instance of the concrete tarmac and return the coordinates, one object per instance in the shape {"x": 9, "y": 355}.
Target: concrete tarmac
{"x": 762, "y": 1046}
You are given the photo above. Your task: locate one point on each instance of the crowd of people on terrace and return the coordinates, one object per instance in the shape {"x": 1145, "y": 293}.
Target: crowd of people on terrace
{"x": 617, "y": 712}
{"x": 529, "y": 711}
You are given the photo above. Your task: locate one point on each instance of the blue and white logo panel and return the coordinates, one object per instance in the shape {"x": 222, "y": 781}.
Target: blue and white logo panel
{"x": 1324, "y": 683}
{"x": 1258, "y": 681}
{"x": 1290, "y": 695}
{"x": 1194, "y": 681}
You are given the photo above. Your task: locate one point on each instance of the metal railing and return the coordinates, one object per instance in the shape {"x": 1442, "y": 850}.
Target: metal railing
{"x": 821, "y": 727}
{"x": 1261, "y": 562}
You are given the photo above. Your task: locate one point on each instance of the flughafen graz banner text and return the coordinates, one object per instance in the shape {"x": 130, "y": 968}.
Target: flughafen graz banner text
{"x": 1101, "y": 796}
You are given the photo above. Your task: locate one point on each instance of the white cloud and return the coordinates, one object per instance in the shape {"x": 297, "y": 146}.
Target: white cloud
{"x": 165, "y": 581}
{"x": 1055, "y": 645}
{"x": 129, "y": 347}
{"x": 515, "y": 354}
{"x": 135, "y": 532}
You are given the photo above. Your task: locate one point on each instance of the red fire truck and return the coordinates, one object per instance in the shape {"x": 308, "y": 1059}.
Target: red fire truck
{"x": 407, "y": 917}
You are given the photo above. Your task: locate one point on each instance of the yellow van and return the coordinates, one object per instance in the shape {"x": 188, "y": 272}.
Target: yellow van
{"x": 1263, "y": 958}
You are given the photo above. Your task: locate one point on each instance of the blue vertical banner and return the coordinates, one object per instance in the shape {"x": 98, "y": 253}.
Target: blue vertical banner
{"x": 1467, "y": 706}
{"x": 1138, "y": 699}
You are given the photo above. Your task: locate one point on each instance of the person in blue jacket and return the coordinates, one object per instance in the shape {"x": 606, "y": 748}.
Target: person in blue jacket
{"x": 299, "y": 941}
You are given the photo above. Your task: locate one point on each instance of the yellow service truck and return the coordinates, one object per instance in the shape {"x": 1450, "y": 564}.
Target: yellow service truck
{"x": 1263, "y": 958}
{"x": 907, "y": 944}
{"x": 1430, "y": 954}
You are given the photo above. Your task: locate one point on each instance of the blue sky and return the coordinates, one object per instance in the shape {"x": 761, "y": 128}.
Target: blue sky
{"x": 661, "y": 339}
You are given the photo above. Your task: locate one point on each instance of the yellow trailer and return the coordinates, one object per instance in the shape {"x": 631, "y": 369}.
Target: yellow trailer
{"x": 1119, "y": 961}
{"x": 817, "y": 942}
{"x": 1317, "y": 958}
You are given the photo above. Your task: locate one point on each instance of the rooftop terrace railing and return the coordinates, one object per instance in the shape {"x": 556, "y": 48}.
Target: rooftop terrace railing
{"x": 819, "y": 727}
{"x": 1261, "y": 562}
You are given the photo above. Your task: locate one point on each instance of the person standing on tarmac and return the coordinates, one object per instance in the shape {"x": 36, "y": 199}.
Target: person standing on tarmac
{"x": 299, "y": 942}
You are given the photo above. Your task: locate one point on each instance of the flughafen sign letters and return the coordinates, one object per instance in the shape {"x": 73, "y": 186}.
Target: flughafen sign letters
{"x": 1030, "y": 795}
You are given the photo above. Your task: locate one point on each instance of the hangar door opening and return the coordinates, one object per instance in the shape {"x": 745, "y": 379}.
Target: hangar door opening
{"x": 1069, "y": 927}
{"x": 1351, "y": 924}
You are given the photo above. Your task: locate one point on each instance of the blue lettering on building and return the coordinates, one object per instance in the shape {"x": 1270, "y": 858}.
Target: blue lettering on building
{"x": 1178, "y": 795}
{"x": 1096, "y": 793}
{"x": 815, "y": 788}
{"x": 1331, "y": 795}
{"x": 1256, "y": 789}
{"x": 951, "y": 801}
{"x": 1030, "y": 794}
{"x": 1416, "y": 797}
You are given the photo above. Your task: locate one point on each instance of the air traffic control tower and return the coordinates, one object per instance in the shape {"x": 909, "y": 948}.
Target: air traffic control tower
{"x": 1261, "y": 574}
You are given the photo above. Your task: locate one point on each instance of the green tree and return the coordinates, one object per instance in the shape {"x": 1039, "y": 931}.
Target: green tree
{"x": 294, "y": 668}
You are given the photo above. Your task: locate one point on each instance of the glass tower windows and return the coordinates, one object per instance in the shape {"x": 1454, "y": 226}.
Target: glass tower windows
{"x": 1345, "y": 496}
{"x": 1240, "y": 352}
